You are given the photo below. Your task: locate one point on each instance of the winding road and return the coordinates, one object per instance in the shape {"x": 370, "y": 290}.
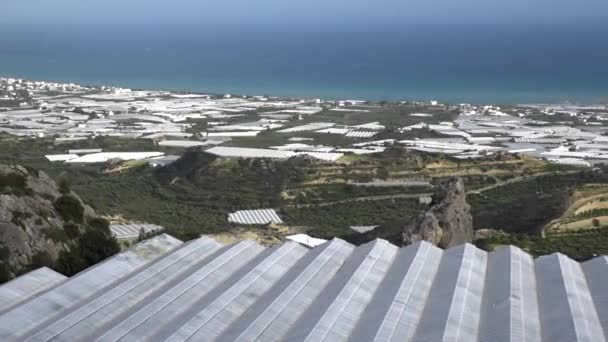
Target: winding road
{"x": 394, "y": 196}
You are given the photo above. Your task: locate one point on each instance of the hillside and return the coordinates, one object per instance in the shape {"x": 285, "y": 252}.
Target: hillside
{"x": 231, "y": 183}
{"x": 46, "y": 224}
{"x": 515, "y": 194}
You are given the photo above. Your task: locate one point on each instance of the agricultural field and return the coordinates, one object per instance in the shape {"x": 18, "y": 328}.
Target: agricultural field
{"x": 588, "y": 209}
{"x": 563, "y": 213}
{"x": 194, "y": 195}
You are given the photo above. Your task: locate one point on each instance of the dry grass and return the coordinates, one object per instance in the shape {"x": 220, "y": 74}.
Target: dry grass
{"x": 268, "y": 237}
{"x": 592, "y": 205}
{"x": 581, "y": 224}
{"x": 584, "y": 199}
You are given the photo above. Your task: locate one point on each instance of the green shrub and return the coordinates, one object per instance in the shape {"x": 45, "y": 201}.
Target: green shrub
{"x": 31, "y": 170}
{"x": 70, "y": 262}
{"x": 71, "y": 230}
{"x": 99, "y": 224}
{"x": 13, "y": 183}
{"x": 580, "y": 245}
{"x": 55, "y": 234}
{"x": 64, "y": 186}
{"x": 69, "y": 208}
{"x": 5, "y": 273}
{"x": 96, "y": 246}
{"x": 334, "y": 220}
{"x": 5, "y": 253}
{"x": 41, "y": 259}
{"x": 91, "y": 248}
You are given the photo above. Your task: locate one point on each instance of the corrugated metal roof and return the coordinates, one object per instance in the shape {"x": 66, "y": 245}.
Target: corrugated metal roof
{"x": 257, "y": 216}
{"x": 203, "y": 291}
{"x": 541, "y": 140}
{"x": 360, "y": 134}
{"x": 133, "y": 230}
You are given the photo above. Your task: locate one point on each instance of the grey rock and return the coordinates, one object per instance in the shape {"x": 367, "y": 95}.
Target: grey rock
{"x": 448, "y": 222}
{"x": 27, "y": 218}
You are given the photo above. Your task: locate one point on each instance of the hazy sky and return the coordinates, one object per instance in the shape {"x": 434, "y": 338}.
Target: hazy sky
{"x": 163, "y": 12}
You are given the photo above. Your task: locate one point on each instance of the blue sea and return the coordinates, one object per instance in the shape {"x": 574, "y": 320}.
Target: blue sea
{"x": 461, "y": 63}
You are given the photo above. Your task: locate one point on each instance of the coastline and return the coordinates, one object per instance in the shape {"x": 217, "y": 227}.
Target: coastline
{"x": 476, "y": 97}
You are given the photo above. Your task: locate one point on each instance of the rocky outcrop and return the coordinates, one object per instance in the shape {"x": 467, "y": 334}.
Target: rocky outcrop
{"x": 38, "y": 220}
{"x": 448, "y": 222}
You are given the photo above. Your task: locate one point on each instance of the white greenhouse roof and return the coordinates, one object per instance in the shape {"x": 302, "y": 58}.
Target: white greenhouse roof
{"x": 361, "y": 134}
{"x": 327, "y": 156}
{"x": 233, "y": 134}
{"x": 132, "y": 230}
{"x": 85, "y": 150}
{"x": 60, "y": 157}
{"x": 257, "y": 216}
{"x": 182, "y": 143}
{"x": 243, "y": 152}
{"x": 363, "y": 229}
{"x": 334, "y": 131}
{"x": 105, "y": 156}
{"x": 19, "y": 321}
{"x": 308, "y": 127}
{"x": 28, "y": 285}
{"x": 306, "y": 240}
{"x": 205, "y": 291}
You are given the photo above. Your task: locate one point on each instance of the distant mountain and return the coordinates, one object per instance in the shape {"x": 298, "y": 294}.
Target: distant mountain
{"x": 46, "y": 224}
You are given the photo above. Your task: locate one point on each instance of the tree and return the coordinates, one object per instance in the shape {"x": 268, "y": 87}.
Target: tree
{"x": 5, "y": 273}
{"x": 96, "y": 245}
{"x": 69, "y": 208}
{"x": 64, "y": 186}
{"x": 382, "y": 173}
{"x": 71, "y": 230}
{"x": 70, "y": 262}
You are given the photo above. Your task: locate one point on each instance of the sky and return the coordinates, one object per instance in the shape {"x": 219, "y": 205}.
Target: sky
{"x": 35, "y": 13}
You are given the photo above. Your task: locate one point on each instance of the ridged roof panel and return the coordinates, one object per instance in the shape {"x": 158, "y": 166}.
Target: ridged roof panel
{"x": 111, "y": 302}
{"x": 510, "y": 304}
{"x": 596, "y": 272}
{"x": 567, "y": 311}
{"x": 28, "y": 285}
{"x": 28, "y": 317}
{"x": 203, "y": 291}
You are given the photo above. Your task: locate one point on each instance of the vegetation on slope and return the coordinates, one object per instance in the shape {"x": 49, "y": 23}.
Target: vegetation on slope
{"x": 194, "y": 195}
{"x": 334, "y": 220}
{"x": 580, "y": 245}
{"x": 232, "y": 183}
{"x": 45, "y": 223}
{"x": 528, "y": 205}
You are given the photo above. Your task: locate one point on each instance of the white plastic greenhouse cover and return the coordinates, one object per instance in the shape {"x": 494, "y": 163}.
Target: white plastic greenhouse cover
{"x": 204, "y": 291}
